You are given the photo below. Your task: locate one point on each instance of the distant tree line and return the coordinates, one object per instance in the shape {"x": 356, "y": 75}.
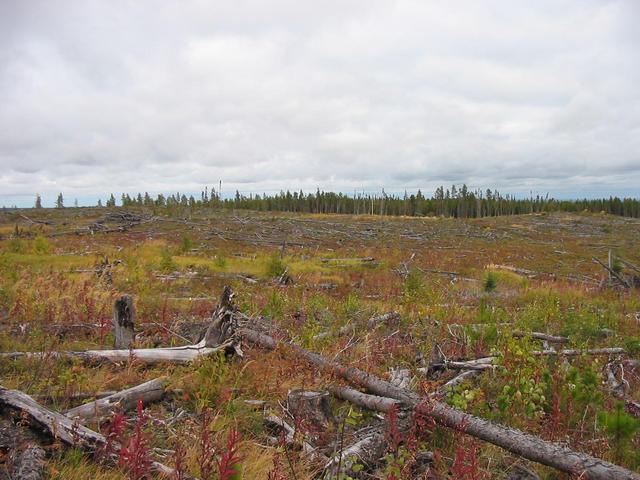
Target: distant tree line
{"x": 457, "y": 202}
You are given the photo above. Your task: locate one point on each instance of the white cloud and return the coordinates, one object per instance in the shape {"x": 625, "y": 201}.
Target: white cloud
{"x": 341, "y": 95}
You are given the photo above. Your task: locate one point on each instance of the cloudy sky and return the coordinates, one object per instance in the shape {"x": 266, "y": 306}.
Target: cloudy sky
{"x": 128, "y": 96}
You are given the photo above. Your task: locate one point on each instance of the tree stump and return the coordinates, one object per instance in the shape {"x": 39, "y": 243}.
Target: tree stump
{"x": 311, "y": 410}
{"x": 123, "y": 323}
{"x": 222, "y": 326}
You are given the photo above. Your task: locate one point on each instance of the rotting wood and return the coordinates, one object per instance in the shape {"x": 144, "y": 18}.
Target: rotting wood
{"x": 223, "y": 322}
{"x": 29, "y": 463}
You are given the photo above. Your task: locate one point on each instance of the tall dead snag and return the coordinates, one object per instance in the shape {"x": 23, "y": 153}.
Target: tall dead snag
{"x": 123, "y": 323}
{"x": 62, "y": 427}
{"x": 150, "y": 391}
{"x": 523, "y": 444}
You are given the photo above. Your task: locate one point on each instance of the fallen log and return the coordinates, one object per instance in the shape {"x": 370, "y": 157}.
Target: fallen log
{"x": 490, "y": 362}
{"x": 28, "y": 465}
{"x": 523, "y": 444}
{"x": 62, "y": 427}
{"x": 540, "y": 336}
{"x": 371, "y": 402}
{"x": 145, "y": 355}
{"x": 515, "y": 333}
{"x": 25, "y": 457}
{"x": 385, "y": 318}
{"x": 575, "y": 352}
{"x": 125, "y": 400}
{"x": 350, "y": 328}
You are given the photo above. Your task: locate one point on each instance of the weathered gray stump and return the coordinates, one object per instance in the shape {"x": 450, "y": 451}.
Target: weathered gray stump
{"x": 222, "y": 325}
{"x": 123, "y": 323}
{"x": 311, "y": 410}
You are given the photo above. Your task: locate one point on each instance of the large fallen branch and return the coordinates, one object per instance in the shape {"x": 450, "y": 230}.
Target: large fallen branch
{"x": 63, "y": 428}
{"x": 528, "y": 446}
{"x": 150, "y": 391}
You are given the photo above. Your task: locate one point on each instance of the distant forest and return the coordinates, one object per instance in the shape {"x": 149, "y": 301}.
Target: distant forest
{"x": 458, "y": 202}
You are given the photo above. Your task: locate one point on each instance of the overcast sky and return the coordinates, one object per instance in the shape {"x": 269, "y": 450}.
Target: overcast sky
{"x": 102, "y": 96}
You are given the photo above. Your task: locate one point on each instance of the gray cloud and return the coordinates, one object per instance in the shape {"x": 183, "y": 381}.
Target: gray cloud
{"x": 339, "y": 94}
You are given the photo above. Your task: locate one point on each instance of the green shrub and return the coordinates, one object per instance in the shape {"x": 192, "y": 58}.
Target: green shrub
{"x": 621, "y": 428}
{"x": 167, "y": 265}
{"x": 220, "y": 261}
{"x": 275, "y": 266}
{"x": 490, "y": 282}
{"x": 41, "y": 245}
{"x": 351, "y": 305}
{"x": 187, "y": 244}
{"x": 413, "y": 285}
{"x": 211, "y": 372}
{"x": 632, "y": 346}
{"x": 275, "y": 305}
{"x": 616, "y": 266}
